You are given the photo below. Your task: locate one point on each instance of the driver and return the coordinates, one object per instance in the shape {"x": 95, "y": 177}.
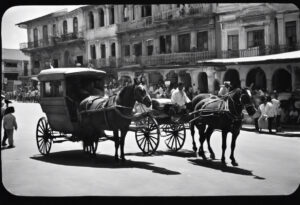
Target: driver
{"x": 180, "y": 98}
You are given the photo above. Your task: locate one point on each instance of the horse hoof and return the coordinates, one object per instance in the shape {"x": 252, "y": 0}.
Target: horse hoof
{"x": 116, "y": 158}
{"x": 223, "y": 161}
{"x": 234, "y": 164}
{"x": 195, "y": 149}
{"x": 212, "y": 156}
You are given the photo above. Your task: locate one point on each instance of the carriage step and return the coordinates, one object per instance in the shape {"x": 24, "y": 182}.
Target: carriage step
{"x": 60, "y": 141}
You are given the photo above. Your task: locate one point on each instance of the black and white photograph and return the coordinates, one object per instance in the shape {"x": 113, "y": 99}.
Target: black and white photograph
{"x": 151, "y": 100}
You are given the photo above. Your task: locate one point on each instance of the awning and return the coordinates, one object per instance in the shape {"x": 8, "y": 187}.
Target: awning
{"x": 275, "y": 58}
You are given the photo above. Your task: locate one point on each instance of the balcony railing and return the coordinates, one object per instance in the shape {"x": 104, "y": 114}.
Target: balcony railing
{"x": 51, "y": 41}
{"x": 201, "y": 11}
{"x": 189, "y": 58}
{"x": 104, "y": 62}
{"x": 259, "y": 51}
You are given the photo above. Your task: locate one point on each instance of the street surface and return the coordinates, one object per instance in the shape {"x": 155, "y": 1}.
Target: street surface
{"x": 268, "y": 165}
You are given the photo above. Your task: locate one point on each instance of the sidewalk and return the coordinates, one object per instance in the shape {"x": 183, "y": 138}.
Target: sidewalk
{"x": 287, "y": 130}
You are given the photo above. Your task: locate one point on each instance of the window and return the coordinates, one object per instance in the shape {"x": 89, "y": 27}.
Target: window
{"x": 202, "y": 41}
{"x": 138, "y": 49}
{"x": 35, "y": 37}
{"x": 103, "y": 51}
{"x": 127, "y": 50}
{"x": 54, "y": 30}
{"x": 165, "y": 44}
{"x": 79, "y": 59}
{"x": 255, "y": 38}
{"x": 14, "y": 65}
{"x": 91, "y": 20}
{"x": 112, "y": 16}
{"x": 133, "y": 12}
{"x": 101, "y": 17}
{"x": 65, "y": 27}
{"x": 53, "y": 89}
{"x": 233, "y": 42}
{"x": 113, "y": 49}
{"x": 149, "y": 45}
{"x": 290, "y": 33}
{"x": 93, "y": 51}
{"x": 45, "y": 33}
{"x": 25, "y": 68}
{"x": 55, "y": 63}
{"x": 184, "y": 42}
{"x": 146, "y": 10}
{"x": 125, "y": 13}
{"x": 36, "y": 64}
{"x": 75, "y": 25}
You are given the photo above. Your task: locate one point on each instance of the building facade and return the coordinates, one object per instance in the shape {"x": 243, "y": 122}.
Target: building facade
{"x": 15, "y": 67}
{"x": 164, "y": 42}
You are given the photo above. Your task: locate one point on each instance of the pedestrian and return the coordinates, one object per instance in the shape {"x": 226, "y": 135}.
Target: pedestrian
{"x": 257, "y": 114}
{"x": 271, "y": 113}
{"x": 9, "y": 124}
{"x": 277, "y": 111}
{"x": 266, "y": 112}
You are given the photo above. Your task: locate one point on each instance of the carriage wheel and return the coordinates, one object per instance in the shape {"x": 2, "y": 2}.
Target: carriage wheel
{"x": 147, "y": 135}
{"x": 43, "y": 136}
{"x": 90, "y": 146}
{"x": 175, "y": 134}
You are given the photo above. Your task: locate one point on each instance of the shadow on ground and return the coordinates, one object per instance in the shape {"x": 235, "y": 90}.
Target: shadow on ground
{"x": 223, "y": 167}
{"x": 181, "y": 153}
{"x": 78, "y": 158}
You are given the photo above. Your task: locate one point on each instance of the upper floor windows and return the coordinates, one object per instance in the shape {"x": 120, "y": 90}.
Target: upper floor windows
{"x": 75, "y": 25}
{"x": 91, "y": 20}
{"x": 255, "y": 38}
{"x": 54, "y": 32}
{"x": 290, "y": 33}
{"x": 65, "y": 27}
{"x": 101, "y": 17}
{"x": 125, "y": 13}
{"x": 146, "y": 10}
{"x": 112, "y": 16}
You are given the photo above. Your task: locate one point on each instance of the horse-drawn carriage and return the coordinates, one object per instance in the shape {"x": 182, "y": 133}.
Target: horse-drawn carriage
{"x": 72, "y": 116}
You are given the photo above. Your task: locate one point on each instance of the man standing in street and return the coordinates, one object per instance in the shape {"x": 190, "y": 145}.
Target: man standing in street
{"x": 276, "y": 107}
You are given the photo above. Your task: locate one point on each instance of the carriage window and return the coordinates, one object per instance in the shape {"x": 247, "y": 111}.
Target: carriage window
{"x": 53, "y": 89}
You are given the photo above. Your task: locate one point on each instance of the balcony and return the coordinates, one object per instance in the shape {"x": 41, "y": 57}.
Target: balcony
{"x": 259, "y": 51}
{"x": 174, "y": 14}
{"x": 104, "y": 62}
{"x": 51, "y": 41}
{"x": 188, "y": 58}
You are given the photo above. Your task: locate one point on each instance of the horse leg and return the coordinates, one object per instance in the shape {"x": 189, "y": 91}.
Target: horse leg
{"x": 208, "y": 134}
{"x": 192, "y": 128}
{"x": 122, "y": 142}
{"x": 116, "y": 139}
{"x": 201, "y": 129}
{"x": 233, "y": 141}
{"x": 224, "y": 137}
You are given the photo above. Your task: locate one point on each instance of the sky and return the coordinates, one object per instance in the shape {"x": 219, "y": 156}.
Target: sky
{"x": 11, "y": 34}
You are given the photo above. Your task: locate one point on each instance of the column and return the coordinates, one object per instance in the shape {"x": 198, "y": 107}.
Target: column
{"x": 174, "y": 42}
{"x": 106, "y": 16}
{"x": 242, "y": 38}
{"x": 118, "y": 53}
{"x": 144, "y": 48}
{"x": 193, "y": 40}
{"x": 281, "y": 29}
{"x": 210, "y": 78}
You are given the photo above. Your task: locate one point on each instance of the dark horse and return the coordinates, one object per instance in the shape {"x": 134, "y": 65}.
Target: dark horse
{"x": 220, "y": 113}
{"x": 116, "y": 115}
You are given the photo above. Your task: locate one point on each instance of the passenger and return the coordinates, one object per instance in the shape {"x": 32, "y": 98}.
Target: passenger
{"x": 180, "y": 98}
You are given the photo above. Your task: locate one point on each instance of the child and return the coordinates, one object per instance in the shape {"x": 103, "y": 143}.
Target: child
{"x": 9, "y": 123}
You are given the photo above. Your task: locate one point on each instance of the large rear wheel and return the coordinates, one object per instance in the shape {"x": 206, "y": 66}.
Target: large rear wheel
{"x": 43, "y": 136}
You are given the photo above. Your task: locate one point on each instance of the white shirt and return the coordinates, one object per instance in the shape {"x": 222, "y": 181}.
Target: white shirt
{"x": 179, "y": 97}
{"x": 267, "y": 109}
{"x": 276, "y": 104}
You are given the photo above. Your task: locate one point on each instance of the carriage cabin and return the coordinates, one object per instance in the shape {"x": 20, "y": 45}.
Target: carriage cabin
{"x": 62, "y": 90}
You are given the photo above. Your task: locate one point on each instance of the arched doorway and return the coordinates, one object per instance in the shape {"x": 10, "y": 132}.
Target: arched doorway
{"x": 282, "y": 81}
{"x": 202, "y": 82}
{"x": 66, "y": 58}
{"x": 155, "y": 78}
{"x": 233, "y": 76}
{"x": 216, "y": 86}
{"x": 256, "y": 77}
{"x": 173, "y": 78}
{"x": 185, "y": 78}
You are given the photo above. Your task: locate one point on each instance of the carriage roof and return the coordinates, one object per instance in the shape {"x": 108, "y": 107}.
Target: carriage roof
{"x": 62, "y": 73}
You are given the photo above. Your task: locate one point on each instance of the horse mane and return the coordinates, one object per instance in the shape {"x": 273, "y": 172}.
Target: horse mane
{"x": 123, "y": 92}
